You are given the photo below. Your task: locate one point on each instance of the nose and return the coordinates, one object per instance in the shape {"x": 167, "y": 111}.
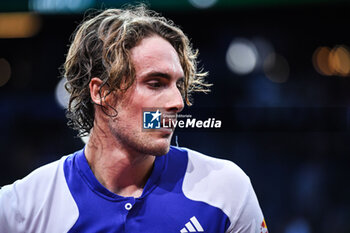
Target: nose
{"x": 174, "y": 101}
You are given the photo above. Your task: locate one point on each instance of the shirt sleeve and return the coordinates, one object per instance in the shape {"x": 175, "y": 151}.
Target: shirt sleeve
{"x": 250, "y": 219}
{"x": 9, "y": 215}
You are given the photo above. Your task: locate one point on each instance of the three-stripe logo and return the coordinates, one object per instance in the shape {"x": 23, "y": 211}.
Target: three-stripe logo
{"x": 192, "y": 226}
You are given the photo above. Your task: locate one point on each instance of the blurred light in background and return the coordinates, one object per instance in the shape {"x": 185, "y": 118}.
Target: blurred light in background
{"x": 61, "y": 94}
{"x": 203, "y": 3}
{"x": 60, "y": 6}
{"x": 264, "y": 49}
{"x": 299, "y": 225}
{"x": 241, "y": 56}
{"x": 19, "y": 25}
{"x": 320, "y": 60}
{"x": 334, "y": 61}
{"x": 339, "y": 60}
{"x": 244, "y": 56}
{"x": 5, "y": 71}
{"x": 62, "y": 99}
{"x": 85, "y": 139}
{"x": 276, "y": 68}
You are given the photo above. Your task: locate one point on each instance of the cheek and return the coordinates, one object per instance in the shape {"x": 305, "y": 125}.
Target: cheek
{"x": 136, "y": 99}
{"x": 132, "y": 106}
{"x": 143, "y": 96}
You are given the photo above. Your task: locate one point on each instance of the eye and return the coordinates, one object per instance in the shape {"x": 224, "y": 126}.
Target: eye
{"x": 154, "y": 83}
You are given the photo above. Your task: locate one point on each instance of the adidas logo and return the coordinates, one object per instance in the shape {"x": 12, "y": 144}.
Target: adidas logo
{"x": 192, "y": 226}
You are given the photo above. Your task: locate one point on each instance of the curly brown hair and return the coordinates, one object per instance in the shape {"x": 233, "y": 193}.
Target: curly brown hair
{"x": 101, "y": 48}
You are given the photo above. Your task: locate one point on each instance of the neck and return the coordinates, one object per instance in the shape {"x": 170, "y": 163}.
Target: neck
{"x": 119, "y": 169}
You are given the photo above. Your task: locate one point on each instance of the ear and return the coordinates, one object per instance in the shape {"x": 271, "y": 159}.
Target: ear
{"x": 95, "y": 92}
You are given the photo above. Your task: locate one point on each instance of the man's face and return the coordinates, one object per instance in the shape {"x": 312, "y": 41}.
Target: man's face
{"x": 158, "y": 74}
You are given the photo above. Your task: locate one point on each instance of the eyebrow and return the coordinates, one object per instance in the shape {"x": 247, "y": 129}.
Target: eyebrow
{"x": 161, "y": 74}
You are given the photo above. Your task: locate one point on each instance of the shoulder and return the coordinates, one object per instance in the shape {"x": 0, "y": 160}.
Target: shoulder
{"x": 220, "y": 173}
{"x": 222, "y": 184}
{"x": 35, "y": 182}
{"x": 29, "y": 202}
{"x": 38, "y": 181}
{"x": 200, "y": 164}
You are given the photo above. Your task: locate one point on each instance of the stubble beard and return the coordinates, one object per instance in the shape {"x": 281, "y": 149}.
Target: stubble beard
{"x": 141, "y": 142}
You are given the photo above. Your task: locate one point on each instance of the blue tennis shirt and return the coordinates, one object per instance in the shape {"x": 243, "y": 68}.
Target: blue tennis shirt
{"x": 186, "y": 192}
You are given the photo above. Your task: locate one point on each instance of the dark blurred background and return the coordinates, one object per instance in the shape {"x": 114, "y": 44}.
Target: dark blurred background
{"x": 281, "y": 75}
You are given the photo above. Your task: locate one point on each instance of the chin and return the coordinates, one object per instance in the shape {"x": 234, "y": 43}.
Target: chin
{"x": 156, "y": 147}
{"x": 158, "y": 144}
{"x": 161, "y": 148}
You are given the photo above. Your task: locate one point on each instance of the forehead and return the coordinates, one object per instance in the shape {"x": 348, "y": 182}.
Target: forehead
{"x": 156, "y": 54}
